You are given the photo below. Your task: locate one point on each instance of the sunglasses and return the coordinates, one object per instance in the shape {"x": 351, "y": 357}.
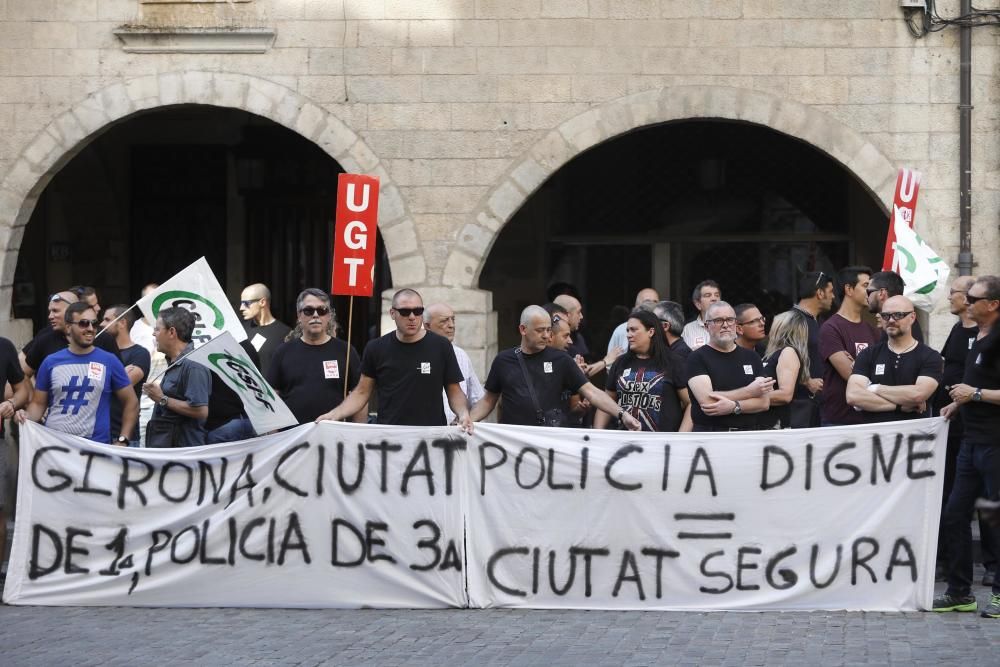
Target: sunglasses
{"x": 872, "y": 290}
{"x": 897, "y": 316}
{"x": 87, "y": 324}
{"x": 819, "y": 279}
{"x": 719, "y": 321}
{"x": 56, "y": 297}
{"x": 406, "y": 312}
{"x": 969, "y": 299}
{"x": 309, "y": 311}
{"x": 245, "y": 303}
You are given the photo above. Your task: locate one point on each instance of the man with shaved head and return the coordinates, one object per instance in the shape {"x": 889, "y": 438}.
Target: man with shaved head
{"x": 264, "y": 330}
{"x": 574, "y": 312}
{"x": 440, "y": 319}
{"x": 532, "y": 377}
{"x": 647, "y": 296}
{"x": 895, "y": 378}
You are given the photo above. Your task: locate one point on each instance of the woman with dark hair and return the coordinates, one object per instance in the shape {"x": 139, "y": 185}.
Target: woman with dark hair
{"x": 787, "y": 361}
{"x": 647, "y": 381}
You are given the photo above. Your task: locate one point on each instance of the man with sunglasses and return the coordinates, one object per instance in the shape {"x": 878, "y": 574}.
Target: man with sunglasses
{"x": 883, "y": 286}
{"x": 264, "y": 330}
{"x": 896, "y": 378}
{"x": 309, "y": 373}
{"x": 75, "y": 385}
{"x": 977, "y": 399}
{"x": 53, "y": 338}
{"x": 409, "y": 366}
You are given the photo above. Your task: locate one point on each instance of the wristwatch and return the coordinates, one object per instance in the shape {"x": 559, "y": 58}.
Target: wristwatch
{"x": 977, "y": 395}
{"x": 121, "y": 440}
{"x": 737, "y": 410}
{"x": 620, "y": 413}
{"x": 162, "y": 402}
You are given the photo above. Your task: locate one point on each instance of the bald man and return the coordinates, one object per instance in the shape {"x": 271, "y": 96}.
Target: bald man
{"x": 646, "y": 298}
{"x": 264, "y": 331}
{"x": 895, "y": 378}
{"x": 574, "y": 312}
{"x": 440, "y": 319}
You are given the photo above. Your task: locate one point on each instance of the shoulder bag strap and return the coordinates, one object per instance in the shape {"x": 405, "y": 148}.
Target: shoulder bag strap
{"x": 539, "y": 415}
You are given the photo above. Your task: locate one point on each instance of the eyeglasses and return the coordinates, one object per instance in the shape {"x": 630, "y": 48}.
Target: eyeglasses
{"x": 406, "y": 312}
{"x": 756, "y": 320}
{"x": 953, "y": 292}
{"x": 556, "y": 320}
{"x": 87, "y": 324}
{"x": 309, "y": 311}
{"x": 57, "y": 297}
{"x": 719, "y": 321}
{"x": 897, "y": 316}
{"x": 969, "y": 299}
{"x": 872, "y": 290}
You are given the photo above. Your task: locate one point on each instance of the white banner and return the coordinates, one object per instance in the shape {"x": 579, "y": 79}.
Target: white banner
{"x": 197, "y": 289}
{"x": 223, "y": 356}
{"x": 351, "y": 515}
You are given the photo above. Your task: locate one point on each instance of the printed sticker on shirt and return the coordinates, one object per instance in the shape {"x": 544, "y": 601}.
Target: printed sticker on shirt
{"x": 979, "y": 359}
{"x": 425, "y": 368}
{"x": 971, "y": 341}
{"x": 627, "y": 372}
{"x": 547, "y": 366}
{"x": 879, "y": 369}
{"x": 258, "y": 342}
{"x": 95, "y": 371}
{"x": 699, "y": 340}
{"x": 747, "y": 369}
{"x": 858, "y": 347}
{"x": 331, "y": 370}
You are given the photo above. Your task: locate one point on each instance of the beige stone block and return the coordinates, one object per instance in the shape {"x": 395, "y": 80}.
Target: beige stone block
{"x": 584, "y": 60}
{"x": 788, "y": 61}
{"x": 375, "y": 60}
{"x": 22, "y": 177}
{"x": 68, "y": 129}
{"x": 460, "y": 300}
{"x": 459, "y": 271}
{"x": 599, "y": 87}
{"x": 431, "y": 33}
{"x": 42, "y": 151}
{"x": 903, "y": 146}
{"x": 364, "y": 156}
{"x": 322, "y": 88}
{"x": 505, "y": 200}
{"x": 442, "y": 199}
{"x": 30, "y": 62}
{"x": 918, "y": 118}
{"x": 336, "y": 139}
{"x": 690, "y": 60}
{"x": 529, "y": 175}
{"x": 487, "y": 172}
{"x": 364, "y": 9}
{"x": 322, "y": 9}
{"x": 863, "y": 118}
{"x": 700, "y": 9}
{"x": 818, "y": 89}
{"x": 16, "y": 35}
{"x": 75, "y": 62}
{"x": 400, "y": 239}
{"x": 476, "y": 33}
{"x": 91, "y": 114}
{"x": 144, "y": 91}
{"x": 74, "y": 10}
{"x": 382, "y": 33}
{"x": 475, "y": 240}
{"x": 553, "y": 151}
{"x": 600, "y": 8}
{"x": 54, "y": 35}
{"x": 30, "y": 10}
{"x": 547, "y": 32}
{"x": 116, "y": 101}
{"x": 434, "y": 60}
{"x": 20, "y": 89}
{"x": 313, "y": 33}
{"x": 640, "y": 33}
{"x": 429, "y": 9}
{"x": 899, "y": 90}
{"x": 384, "y": 88}
{"x": 945, "y": 146}
{"x": 815, "y": 33}
{"x": 865, "y": 33}
{"x": 310, "y": 121}
{"x": 408, "y": 270}
{"x": 565, "y": 9}
{"x": 633, "y": 9}
{"x": 391, "y": 206}
{"x": 511, "y": 60}
{"x": 262, "y": 95}
{"x": 458, "y": 88}
{"x": 489, "y": 221}
{"x": 114, "y": 10}
{"x": 508, "y": 9}
{"x": 535, "y": 88}
{"x": 409, "y": 116}
{"x": 489, "y": 116}
{"x": 806, "y": 9}
{"x": 545, "y": 116}
{"x": 734, "y": 33}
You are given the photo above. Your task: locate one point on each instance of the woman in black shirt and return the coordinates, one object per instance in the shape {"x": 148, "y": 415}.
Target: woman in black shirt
{"x": 787, "y": 361}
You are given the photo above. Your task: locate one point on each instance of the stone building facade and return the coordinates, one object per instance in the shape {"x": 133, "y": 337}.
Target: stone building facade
{"x": 464, "y": 108}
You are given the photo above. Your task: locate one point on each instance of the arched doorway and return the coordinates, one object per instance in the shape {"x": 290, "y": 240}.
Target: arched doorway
{"x": 161, "y": 188}
{"x": 671, "y": 204}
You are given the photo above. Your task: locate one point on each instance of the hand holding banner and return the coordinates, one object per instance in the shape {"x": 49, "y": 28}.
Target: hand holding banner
{"x": 197, "y": 289}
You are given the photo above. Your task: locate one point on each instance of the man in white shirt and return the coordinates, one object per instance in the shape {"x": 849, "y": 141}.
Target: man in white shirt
{"x": 705, "y": 293}
{"x": 440, "y": 318}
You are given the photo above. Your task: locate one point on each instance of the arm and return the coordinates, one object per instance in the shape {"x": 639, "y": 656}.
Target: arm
{"x": 18, "y": 399}
{"x": 25, "y": 368}
{"x": 859, "y": 396}
{"x": 35, "y": 409}
{"x": 909, "y": 395}
{"x": 756, "y": 389}
{"x": 130, "y": 411}
{"x": 603, "y": 364}
{"x": 603, "y": 402}
{"x": 962, "y": 393}
{"x": 601, "y": 418}
{"x": 355, "y": 401}
{"x": 484, "y": 406}
{"x": 459, "y": 405}
{"x": 788, "y": 371}
{"x": 135, "y": 374}
{"x": 843, "y": 363}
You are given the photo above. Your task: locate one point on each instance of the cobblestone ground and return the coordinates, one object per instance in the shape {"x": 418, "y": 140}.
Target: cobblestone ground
{"x": 120, "y": 636}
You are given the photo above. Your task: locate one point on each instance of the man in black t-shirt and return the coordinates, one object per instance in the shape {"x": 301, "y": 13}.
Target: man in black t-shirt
{"x": 977, "y": 473}
{"x": 309, "y": 373}
{"x": 726, "y": 382}
{"x": 409, "y": 367}
{"x": 550, "y": 371}
{"x": 671, "y": 316}
{"x": 264, "y": 331}
{"x": 895, "y": 378}
{"x": 10, "y": 402}
{"x": 883, "y": 286}
{"x": 134, "y": 357}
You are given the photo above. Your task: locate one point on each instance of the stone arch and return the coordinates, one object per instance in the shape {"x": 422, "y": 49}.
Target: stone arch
{"x": 74, "y": 129}
{"x": 594, "y": 126}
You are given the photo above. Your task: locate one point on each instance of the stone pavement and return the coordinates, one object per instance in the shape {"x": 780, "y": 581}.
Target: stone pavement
{"x": 108, "y": 637}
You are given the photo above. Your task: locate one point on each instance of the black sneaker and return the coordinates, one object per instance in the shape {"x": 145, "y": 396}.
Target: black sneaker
{"x": 992, "y": 610}
{"x": 989, "y": 577}
{"x": 948, "y": 602}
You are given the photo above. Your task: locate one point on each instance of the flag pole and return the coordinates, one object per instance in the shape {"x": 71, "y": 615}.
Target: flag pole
{"x": 117, "y": 318}
{"x": 347, "y": 365}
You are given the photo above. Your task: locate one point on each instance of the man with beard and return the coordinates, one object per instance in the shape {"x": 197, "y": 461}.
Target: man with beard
{"x": 883, "y": 286}
{"x": 54, "y": 337}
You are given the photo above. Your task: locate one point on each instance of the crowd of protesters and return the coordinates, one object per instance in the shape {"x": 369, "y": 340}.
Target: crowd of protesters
{"x": 115, "y": 378}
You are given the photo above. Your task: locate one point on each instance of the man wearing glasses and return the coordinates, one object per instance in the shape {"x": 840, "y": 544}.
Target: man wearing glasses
{"x": 977, "y": 398}
{"x": 409, "y": 366}
{"x": 895, "y": 378}
{"x": 264, "y": 330}
{"x": 309, "y": 373}
{"x": 726, "y": 382}
{"x": 750, "y": 328}
{"x": 75, "y": 385}
{"x": 883, "y": 286}
{"x": 54, "y": 338}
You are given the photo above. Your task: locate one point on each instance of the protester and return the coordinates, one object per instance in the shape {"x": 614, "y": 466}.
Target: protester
{"x": 440, "y": 319}
{"x": 750, "y": 328}
{"x": 695, "y": 333}
{"x": 618, "y": 340}
{"x": 117, "y": 323}
{"x": 895, "y": 378}
{"x": 264, "y": 330}
{"x": 815, "y": 299}
{"x": 73, "y": 386}
{"x": 561, "y": 339}
{"x": 142, "y": 334}
{"x": 227, "y": 419}
{"x": 409, "y": 366}
{"x": 309, "y": 372}
{"x": 562, "y": 335}
{"x": 648, "y": 381}
{"x": 786, "y": 361}
{"x": 671, "y": 316}
{"x": 574, "y": 311}
{"x": 885, "y": 285}
{"x": 16, "y": 393}
{"x": 977, "y": 398}
{"x": 142, "y": 331}
{"x": 841, "y": 339}
{"x": 726, "y": 382}
{"x": 182, "y": 395}
{"x": 531, "y": 378}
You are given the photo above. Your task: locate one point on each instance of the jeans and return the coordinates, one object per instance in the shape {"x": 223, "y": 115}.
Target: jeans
{"x": 238, "y": 428}
{"x": 977, "y": 472}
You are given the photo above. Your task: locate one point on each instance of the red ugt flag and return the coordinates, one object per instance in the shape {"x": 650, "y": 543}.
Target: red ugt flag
{"x": 354, "y": 235}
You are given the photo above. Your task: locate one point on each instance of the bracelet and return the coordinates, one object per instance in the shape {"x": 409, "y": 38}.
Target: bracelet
{"x": 11, "y": 401}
